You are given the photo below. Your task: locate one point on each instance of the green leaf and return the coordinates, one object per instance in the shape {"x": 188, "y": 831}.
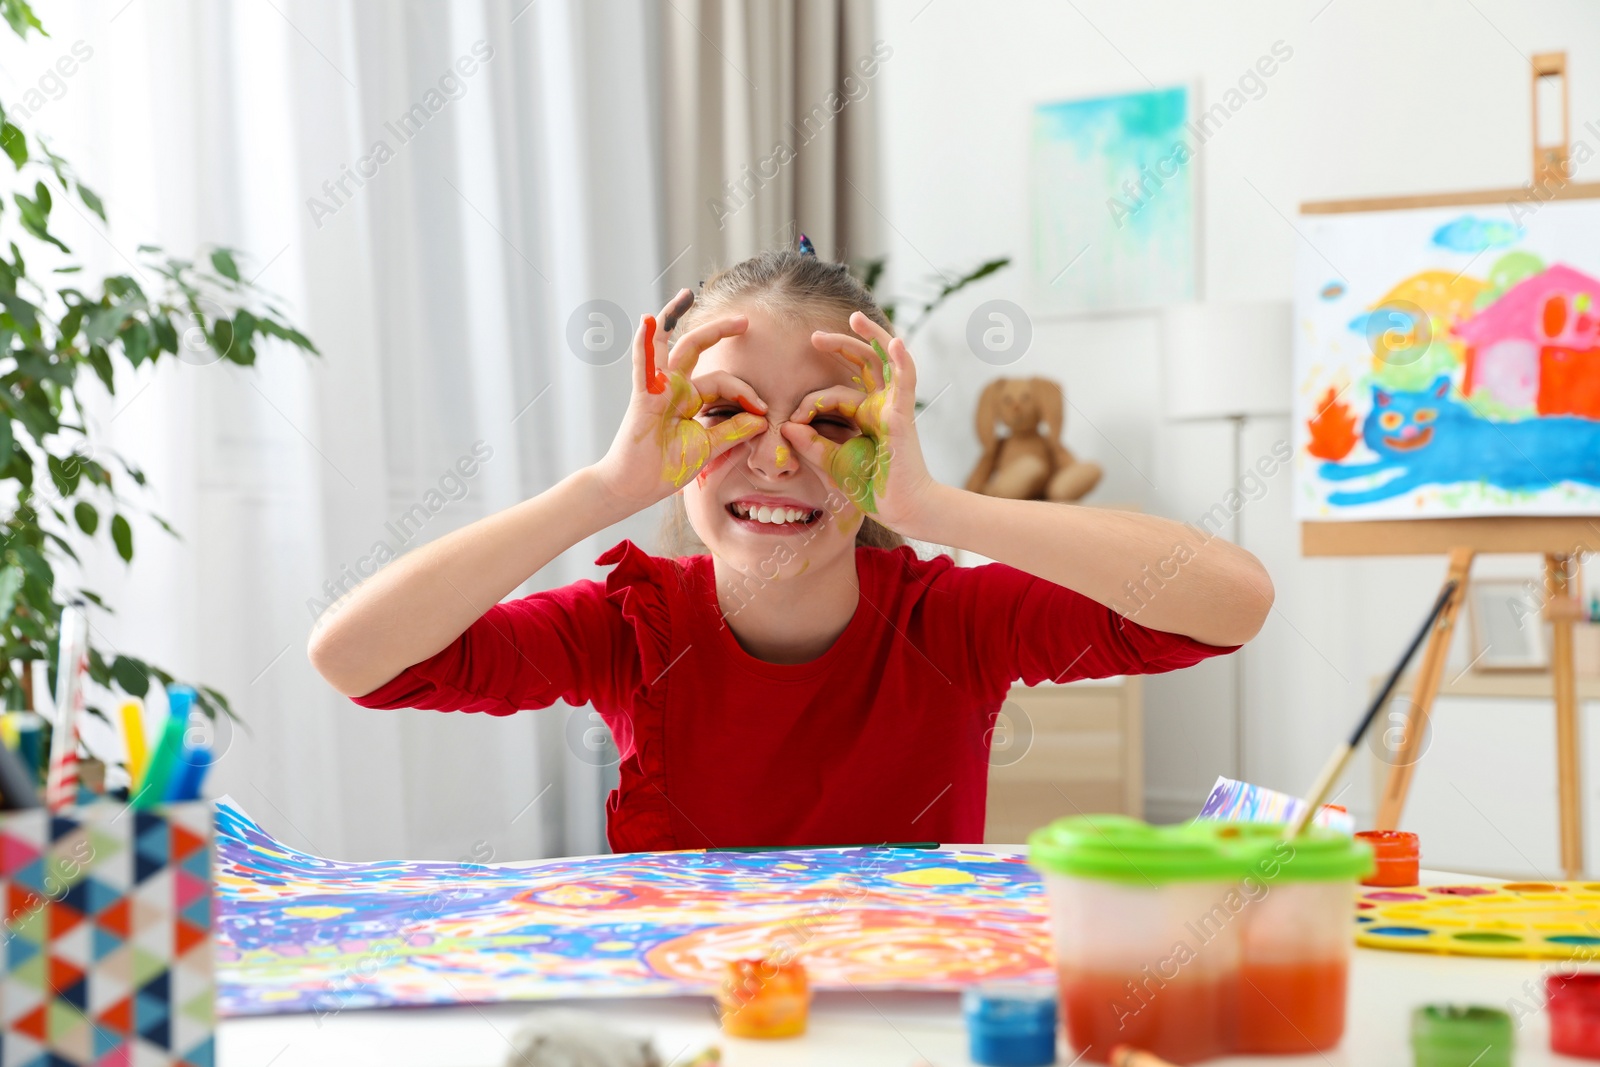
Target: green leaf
{"x": 21, "y": 18}
{"x": 6, "y": 441}
{"x": 10, "y": 585}
{"x": 91, "y": 201}
{"x": 36, "y": 566}
{"x": 122, "y": 535}
{"x": 25, "y": 313}
{"x": 132, "y": 675}
{"x": 88, "y": 518}
{"x": 100, "y": 360}
{"x": 14, "y": 143}
{"x": 222, "y": 338}
{"x": 166, "y": 337}
{"x": 64, "y": 473}
{"x": 105, "y": 322}
{"x": 63, "y": 544}
{"x": 222, "y": 259}
{"x": 136, "y": 342}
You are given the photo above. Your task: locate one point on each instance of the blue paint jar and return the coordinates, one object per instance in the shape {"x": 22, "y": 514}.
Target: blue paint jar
{"x": 1010, "y": 1025}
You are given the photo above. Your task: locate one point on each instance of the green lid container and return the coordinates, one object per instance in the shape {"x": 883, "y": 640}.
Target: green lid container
{"x": 1317, "y": 855}
{"x": 1116, "y": 848}
{"x": 1444, "y": 1035}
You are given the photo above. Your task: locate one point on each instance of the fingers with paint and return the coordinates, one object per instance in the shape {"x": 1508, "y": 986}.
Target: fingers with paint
{"x": 654, "y": 380}
{"x": 880, "y": 403}
{"x": 688, "y": 446}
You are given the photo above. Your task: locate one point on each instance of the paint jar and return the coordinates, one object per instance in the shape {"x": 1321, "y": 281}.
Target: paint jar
{"x": 1294, "y": 961}
{"x": 1010, "y": 1025}
{"x": 1399, "y": 856}
{"x": 764, "y": 998}
{"x": 1143, "y": 920}
{"x": 1573, "y": 1002}
{"x": 1450, "y": 1036}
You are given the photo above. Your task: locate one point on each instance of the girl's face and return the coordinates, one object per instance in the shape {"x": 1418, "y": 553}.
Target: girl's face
{"x": 808, "y": 520}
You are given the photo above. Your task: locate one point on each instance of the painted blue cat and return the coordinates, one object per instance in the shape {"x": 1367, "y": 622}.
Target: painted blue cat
{"x": 1428, "y": 438}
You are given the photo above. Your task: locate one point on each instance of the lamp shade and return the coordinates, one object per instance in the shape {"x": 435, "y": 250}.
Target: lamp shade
{"x": 1226, "y": 360}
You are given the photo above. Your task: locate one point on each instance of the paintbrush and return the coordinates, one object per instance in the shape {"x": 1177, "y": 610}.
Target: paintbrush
{"x": 1341, "y": 756}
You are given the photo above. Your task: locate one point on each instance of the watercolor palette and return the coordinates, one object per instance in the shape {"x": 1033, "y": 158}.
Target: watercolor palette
{"x": 1525, "y": 920}
{"x": 299, "y": 933}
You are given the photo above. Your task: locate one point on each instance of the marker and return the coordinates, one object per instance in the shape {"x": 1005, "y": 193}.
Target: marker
{"x": 30, "y": 743}
{"x": 134, "y": 741}
{"x": 654, "y": 380}
{"x": 18, "y": 788}
{"x": 192, "y": 768}
{"x": 152, "y": 789}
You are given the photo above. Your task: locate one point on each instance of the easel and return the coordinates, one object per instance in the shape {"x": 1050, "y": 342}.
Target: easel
{"x": 1561, "y": 540}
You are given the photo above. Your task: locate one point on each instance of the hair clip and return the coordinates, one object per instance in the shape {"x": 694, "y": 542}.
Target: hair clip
{"x": 806, "y": 247}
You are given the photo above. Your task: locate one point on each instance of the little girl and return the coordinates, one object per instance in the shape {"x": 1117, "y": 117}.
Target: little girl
{"x": 806, "y": 679}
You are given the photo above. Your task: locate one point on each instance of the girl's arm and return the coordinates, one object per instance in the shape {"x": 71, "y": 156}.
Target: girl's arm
{"x": 1167, "y": 575}
{"x": 428, "y": 597}
{"x": 1164, "y": 574}
{"x": 420, "y": 603}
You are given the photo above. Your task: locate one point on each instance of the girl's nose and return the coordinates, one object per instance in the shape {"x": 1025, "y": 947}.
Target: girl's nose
{"x": 771, "y": 454}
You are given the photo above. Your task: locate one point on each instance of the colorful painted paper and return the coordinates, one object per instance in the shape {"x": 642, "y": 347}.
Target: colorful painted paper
{"x": 1447, "y": 362}
{"x": 107, "y": 936}
{"x": 1231, "y": 801}
{"x": 298, "y": 933}
{"x": 1113, "y": 201}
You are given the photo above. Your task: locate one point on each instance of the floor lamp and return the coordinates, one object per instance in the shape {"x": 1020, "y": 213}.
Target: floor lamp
{"x": 1227, "y": 362}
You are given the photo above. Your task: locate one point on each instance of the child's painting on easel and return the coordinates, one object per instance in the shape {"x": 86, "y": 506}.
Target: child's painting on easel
{"x": 1447, "y": 362}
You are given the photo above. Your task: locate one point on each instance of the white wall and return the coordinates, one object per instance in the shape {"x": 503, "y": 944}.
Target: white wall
{"x": 1377, "y": 98}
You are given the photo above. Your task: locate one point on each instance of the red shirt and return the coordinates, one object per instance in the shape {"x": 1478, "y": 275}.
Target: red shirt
{"x": 882, "y": 738}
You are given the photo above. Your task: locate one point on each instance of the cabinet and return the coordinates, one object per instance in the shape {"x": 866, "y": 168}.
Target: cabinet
{"x": 1066, "y": 749}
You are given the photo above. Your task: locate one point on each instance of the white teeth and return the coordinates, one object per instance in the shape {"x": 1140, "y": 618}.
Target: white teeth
{"x": 776, "y": 516}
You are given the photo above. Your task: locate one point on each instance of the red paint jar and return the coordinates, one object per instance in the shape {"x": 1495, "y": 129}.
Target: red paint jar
{"x": 1573, "y": 1002}
{"x": 1398, "y": 855}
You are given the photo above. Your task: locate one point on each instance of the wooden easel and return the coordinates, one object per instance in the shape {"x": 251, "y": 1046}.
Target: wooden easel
{"x": 1560, "y": 540}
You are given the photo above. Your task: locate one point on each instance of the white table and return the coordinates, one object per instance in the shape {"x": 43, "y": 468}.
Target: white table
{"x": 899, "y": 1029}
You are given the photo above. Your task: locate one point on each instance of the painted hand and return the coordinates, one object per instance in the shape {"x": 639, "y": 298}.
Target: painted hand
{"x": 660, "y": 446}
{"x": 880, "y": 469}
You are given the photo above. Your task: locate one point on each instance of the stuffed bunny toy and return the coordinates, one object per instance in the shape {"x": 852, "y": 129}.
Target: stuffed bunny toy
{"x": 1025, "y": 464}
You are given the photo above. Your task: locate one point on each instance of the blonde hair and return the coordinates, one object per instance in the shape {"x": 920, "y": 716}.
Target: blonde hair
{"x": 797, "y": 288}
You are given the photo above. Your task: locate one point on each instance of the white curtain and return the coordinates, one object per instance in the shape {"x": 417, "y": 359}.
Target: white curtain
{"x": 516, "y": 180}
{"x": 770, "y": 130}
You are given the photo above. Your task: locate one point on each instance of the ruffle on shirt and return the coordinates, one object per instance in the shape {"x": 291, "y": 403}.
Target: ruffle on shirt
{"x": 636, "y": 585}
{"x": 638, "y": 812}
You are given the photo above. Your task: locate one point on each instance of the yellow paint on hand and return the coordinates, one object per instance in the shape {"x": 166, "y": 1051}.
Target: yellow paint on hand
{"x": 317, "y": 911}
{"x": 933, "y": 876}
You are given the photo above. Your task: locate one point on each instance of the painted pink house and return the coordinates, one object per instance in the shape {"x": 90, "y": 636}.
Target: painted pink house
{"x": 1538, "y": 345}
